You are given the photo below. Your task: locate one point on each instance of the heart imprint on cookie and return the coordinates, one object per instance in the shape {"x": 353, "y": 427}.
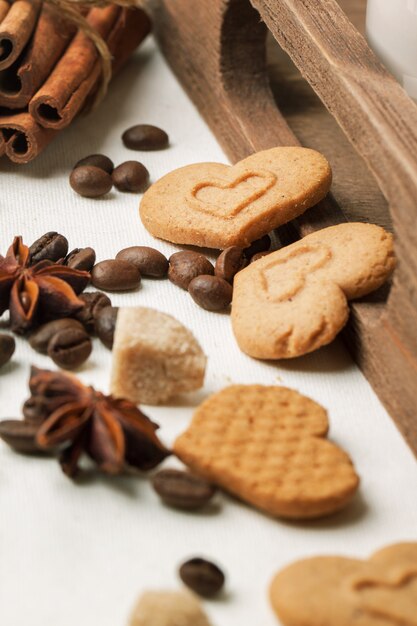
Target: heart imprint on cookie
{"x": 216, "y": 206}
{"x": 330, "y": 591}
{"x": 295, "y": 300}
{"x": 223, "y": 199}
{"x": 394, "y": 600}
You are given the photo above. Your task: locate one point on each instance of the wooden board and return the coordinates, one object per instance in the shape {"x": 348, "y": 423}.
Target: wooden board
{"x": 217, "y": 49}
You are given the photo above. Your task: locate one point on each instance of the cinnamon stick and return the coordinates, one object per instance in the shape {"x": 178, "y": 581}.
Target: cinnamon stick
{"x": 24, "y": 138}
{"x": 16, "y": 29}
{"x": 4, "y": 9}
{"x": 22, "y": 79}
{"x": 2, "y": 145}
{"x": 77, "y": 73}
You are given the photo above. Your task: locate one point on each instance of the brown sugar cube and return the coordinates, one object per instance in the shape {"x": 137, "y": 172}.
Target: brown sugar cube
{"x": 168, "y": 608}
{"x": 155, "y": 357}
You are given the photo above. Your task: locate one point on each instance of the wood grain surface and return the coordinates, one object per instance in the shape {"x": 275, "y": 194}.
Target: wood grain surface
{"x": 217, "y": 49}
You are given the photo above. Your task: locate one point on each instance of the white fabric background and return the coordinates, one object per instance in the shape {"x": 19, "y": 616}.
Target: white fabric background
{"x": 80, "y": 554}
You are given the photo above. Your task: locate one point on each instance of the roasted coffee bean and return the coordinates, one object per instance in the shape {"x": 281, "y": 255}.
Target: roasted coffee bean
{"x": 131, "y": 176}
{"x": 150, "y": 262}
{"x": 145, "y": 137}
{"x": 20, "y": 435}
{"x": 69, "y": 348}
{"x": 51, "y": 247}
{"x": 97, "y": 160}
{"x": 258, "y": 255}
{"x": 106, "y": 325}
{"x": 186, "y": 265}
{"x": 41, "y": 337}
{"x": 81, "y": 259}
{"x": 115, "y": 275}
{"x": 7, "y": 347}
{"x": 260, "y": 245}
{"x": 202, "y": 576}
{"x": 90, "y": 181}
{"x": 230, "y": 262}
{"x": 182, "y": 490}
{"x": 211, "y": 292}
{"x": 94, "y": 301}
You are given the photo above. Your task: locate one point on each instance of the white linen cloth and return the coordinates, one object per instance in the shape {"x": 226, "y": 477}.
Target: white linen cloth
{"x": 81, "y": 553}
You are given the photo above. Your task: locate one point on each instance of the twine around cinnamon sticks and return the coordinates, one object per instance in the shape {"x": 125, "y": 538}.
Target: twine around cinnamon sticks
{"x": 58, "y": 70}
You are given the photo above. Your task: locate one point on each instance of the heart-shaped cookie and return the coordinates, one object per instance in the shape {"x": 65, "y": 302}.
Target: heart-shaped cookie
{"x": 268, "y": 446}
{"x": 217, "y": 206}
{"x": 336, "y": 591}
{"x": 294, "y": 300}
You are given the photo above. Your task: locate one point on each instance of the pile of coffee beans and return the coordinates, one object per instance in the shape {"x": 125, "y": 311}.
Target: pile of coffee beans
{"x": 211, "y": 287}
{"x": 94, "y": 175}
{"x": 68, "y": 341}
{"x": 125, "y": 272}
{"x": 53, "y": 246}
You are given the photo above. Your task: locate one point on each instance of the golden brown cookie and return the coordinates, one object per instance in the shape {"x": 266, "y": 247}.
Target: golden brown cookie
{"x": 294, "y": 301}
{"x": 217, "y": 206}
{"x": 268, "y": 446}
{"x": 336, "y": 591}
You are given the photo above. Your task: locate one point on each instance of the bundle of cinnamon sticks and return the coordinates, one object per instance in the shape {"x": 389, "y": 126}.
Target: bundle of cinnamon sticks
{"x": 50, "y": 69}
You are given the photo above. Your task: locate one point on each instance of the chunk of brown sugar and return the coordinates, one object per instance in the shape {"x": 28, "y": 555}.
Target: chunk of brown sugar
{"x": 155, "y": 357}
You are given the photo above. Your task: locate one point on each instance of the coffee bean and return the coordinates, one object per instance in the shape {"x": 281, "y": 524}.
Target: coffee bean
{"x": 229, "y": 263}
{"x": 186, "y": 265}
{"x": 90, "y": 181}
{"x": 145, "y": 137}
{"x": 131, "y": 176}
{"x": 106, "y": 325}
{"x": 7, "y": 347}
{"x": 259, "y": 255}
{"x": 260, "y": 245}
{"x": 41, "y": 337}
{"x": 150, "y": 262}
{"x": 20, "y": 435}
{"x": 115, "y": 275}
{"x": 202, "y": 576}
{"x": 211, "y": 292}
{"x": 97, "y": 160}
{"x": 81, "y": 259}
{"x": 51, "y": 246}
{"x": 94, "y": 301}
{"x": 69, "y": 348}
{"x": 182, "y": 490}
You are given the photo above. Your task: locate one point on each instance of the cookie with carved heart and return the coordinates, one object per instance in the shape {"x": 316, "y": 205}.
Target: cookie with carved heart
{"x": 268, "y": 446}
{"x": 337, "y": 591}
{"x": 216, "y": 206}
{"x": 295, "y": 300}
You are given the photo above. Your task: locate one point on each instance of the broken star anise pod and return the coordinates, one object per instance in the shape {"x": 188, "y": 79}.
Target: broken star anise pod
{"x": 79, "y": 420}
{"x": 41, "y": 291}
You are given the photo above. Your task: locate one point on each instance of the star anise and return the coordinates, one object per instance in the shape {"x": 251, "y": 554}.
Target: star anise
{"x": 41, "y": 291}
{"x": 79, "y": 420}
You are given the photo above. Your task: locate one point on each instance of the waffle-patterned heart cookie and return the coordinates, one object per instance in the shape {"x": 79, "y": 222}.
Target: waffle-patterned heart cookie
{"x": 268, "y": 446}
{"x": 295, "y": 300}
{"x": 336, "y": 591}
{"x": 217, "y": 206}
